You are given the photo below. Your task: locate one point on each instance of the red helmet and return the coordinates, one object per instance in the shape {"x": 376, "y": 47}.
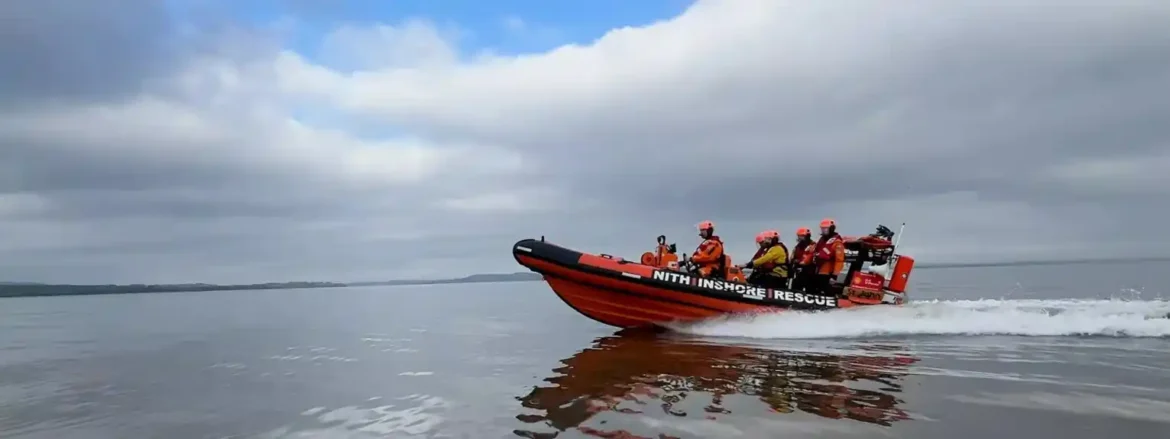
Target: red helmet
{"x": 771, "y": 234}
{"x": 828, "y": 222}
{"x": 760, "y": 238}
{"x": 803, "y": 231}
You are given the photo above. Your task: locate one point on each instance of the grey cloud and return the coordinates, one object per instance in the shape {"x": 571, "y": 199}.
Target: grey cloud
{"x": 984, "y": 100}
{"x": 136, "y": 205}
{"x": 91, "y": 50}
{"x": 985, "y": 109}
{"x": 978, "y": 113}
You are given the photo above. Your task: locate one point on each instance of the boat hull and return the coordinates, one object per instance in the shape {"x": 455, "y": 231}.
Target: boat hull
{"x": 627, "y": 294}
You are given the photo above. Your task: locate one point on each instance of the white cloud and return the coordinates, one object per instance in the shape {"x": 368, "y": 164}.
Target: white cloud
{"x": 414, "y": 43}
{"x": 974, "y": 122}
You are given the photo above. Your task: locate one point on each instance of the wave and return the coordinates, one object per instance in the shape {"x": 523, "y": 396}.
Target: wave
{"x": 1067, "y": 317}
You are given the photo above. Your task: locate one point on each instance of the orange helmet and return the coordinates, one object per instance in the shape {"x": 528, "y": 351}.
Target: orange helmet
{"x": 803, "y": 231}
{"x": 760, "y": 237}
{"x": 828, "y": 222}
{"x": 706, "y": 225}
{"x": 771, "y": 234}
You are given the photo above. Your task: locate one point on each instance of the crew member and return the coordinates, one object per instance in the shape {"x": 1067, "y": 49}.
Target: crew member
{"x": 802, "y": 259}
{"x": 760, "y": 248}
{"x": 770, "y": 270}
{"x": 828, "y": 257}
{"x": 708, "y": 258}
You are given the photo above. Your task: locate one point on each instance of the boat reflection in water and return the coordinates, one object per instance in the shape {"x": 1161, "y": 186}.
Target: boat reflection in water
{"x": 635, "y": 373}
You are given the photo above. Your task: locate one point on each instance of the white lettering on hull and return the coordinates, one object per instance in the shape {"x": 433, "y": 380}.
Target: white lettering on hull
{"x": 747, "y": 291}
{"x": 672, "y": 277}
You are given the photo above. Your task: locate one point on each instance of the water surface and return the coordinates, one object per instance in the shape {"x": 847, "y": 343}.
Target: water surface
{"x": 1052, "y": 351}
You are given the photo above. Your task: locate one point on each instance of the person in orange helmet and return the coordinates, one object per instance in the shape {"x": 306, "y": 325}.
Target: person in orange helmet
{"x": 828, "y": 257}
{"x": 802, "y": 259}
{"x": 760, "y": 248}
{"x": 708, "y": 258}
{"x": 770, "y": 268}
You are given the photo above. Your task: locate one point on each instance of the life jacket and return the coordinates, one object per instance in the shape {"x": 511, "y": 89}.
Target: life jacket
{"x": 803, "y": 255}
{"x": 769, "y": 266}
{"x": 787, "y": 260}
{"x": 710, "y": 254}
{"x": 780, "y": 268}
{"x": 830, "y": 254}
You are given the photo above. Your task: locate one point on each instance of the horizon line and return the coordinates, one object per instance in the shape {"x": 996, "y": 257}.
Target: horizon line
{"x": 515, "y": 273}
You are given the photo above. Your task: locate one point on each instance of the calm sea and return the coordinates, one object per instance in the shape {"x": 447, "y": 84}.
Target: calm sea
{"x": 1072, "y": 351}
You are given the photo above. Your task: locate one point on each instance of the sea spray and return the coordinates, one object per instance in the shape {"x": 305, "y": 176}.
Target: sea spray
{"x": 1062, "y": 317}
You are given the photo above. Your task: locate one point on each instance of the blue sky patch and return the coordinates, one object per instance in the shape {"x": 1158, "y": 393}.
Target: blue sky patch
{"x": 503, "y": 26}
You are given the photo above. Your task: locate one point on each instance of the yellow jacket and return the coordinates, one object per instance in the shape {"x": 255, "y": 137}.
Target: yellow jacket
{"x": 774, "y": 262}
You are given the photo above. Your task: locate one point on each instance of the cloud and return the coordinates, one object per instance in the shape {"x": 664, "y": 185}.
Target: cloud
{"x": 62, "y": 50}
{"x": 411, "y": 44}
{"x": 996, "y": 130}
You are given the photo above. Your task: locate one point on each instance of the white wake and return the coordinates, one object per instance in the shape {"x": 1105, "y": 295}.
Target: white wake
{"x": 1117, "y": 318}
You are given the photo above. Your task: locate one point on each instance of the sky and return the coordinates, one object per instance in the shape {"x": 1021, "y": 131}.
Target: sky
{"x": 278, "y": 140}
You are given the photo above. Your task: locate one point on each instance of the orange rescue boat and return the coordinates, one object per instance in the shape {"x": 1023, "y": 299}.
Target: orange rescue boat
{"x": 652, "y": 292}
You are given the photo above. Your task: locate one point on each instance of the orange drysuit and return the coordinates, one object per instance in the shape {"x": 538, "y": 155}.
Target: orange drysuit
{"x": 709, "y": 258}
{"x": 830, "y": 254}
{"x": 802, "y": 253}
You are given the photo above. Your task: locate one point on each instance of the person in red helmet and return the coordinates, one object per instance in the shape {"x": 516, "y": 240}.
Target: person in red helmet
{"x": 802, "y": 259}
{"x": 708, "y": 258}
{"x": 770, "y": 270}
{"x": 828, "y": 257}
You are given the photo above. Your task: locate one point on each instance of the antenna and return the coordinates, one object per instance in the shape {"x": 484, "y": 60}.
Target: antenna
{"x": 898, "y": 239}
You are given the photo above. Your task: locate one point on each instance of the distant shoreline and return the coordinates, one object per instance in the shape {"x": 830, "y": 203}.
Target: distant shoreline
{"x": 34, "y": 289}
